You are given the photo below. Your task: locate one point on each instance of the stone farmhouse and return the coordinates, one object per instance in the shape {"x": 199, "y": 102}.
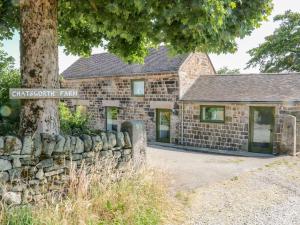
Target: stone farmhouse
{"x": 182, "y": 101}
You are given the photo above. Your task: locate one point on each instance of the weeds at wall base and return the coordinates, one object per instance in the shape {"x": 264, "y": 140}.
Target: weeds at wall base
{"x": 120, "y": 198}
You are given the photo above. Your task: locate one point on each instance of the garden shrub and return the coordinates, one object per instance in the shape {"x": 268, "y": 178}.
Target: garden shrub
{"x": 73, "y": 123}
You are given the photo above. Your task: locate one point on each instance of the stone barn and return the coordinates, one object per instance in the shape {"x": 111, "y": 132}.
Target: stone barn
{"x": 182, "y": 101}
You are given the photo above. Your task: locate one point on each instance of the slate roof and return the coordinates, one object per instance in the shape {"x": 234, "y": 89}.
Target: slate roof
{"x": 245, "y": 88}
{"x": 106, "y": 64}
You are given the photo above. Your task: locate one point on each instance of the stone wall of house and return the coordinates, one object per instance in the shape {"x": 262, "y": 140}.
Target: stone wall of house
{"x": 197, "y": 64}
{"x": 161, "y": 91}
{"x": 231, "y": 135}
{"x": 35, "y": 166}
{"x": 234, "y": 133}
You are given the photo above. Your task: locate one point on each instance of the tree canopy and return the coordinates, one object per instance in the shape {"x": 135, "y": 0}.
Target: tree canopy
{"x": 281, "y": 51}
{"x": 129, "y": 28}
{"x": 6, "y": 62}
{"x": 225, "y": 70}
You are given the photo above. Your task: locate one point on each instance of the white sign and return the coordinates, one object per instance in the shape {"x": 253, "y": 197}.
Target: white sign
{"x": 26, "y": 93}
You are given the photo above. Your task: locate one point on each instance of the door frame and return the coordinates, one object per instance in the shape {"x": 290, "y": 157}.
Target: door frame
{"x": 157, "y": 125}
{"x": 251, "y": 131}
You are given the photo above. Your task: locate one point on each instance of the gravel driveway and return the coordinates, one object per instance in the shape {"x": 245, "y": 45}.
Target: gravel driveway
{"x": 229, "y": 190}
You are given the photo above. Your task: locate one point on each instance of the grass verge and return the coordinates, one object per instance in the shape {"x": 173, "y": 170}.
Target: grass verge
{"x": 135, "y": 198}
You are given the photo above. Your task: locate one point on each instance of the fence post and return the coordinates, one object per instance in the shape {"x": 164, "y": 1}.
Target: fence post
{"x": 289, "y": 135}
{"x": 137, "y": 133}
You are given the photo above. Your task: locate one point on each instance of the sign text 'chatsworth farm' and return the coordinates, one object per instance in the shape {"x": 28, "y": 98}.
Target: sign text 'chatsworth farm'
{"x": 23, "y": 93}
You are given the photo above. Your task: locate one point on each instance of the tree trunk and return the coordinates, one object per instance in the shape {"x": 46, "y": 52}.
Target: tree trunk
{"x": 39, "y": 64}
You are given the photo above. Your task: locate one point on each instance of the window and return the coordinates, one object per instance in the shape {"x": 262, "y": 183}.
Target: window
{"x": 138, "y": 87}
{"x": 212, "y": 114}
{"x": 112, "y": 118}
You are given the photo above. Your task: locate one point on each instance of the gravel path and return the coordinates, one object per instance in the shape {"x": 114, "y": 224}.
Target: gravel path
{"x": 266, "y": 196}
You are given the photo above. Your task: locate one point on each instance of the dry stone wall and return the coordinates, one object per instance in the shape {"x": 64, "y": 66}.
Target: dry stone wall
{"x": 28, "y": 164}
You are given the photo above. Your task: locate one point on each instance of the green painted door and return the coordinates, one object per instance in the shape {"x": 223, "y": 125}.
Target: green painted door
{"x": 163, "y": 119}
{"x": 261, "y": 129}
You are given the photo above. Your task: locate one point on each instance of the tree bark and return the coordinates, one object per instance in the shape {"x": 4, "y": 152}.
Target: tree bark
{"x": 39, "y": 64}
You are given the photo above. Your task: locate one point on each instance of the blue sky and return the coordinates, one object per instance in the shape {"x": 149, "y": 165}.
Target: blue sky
{"x": 236, "y": 60}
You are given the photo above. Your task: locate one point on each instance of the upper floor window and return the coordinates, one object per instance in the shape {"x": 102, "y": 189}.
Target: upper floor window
{"x": 212, "y": 114}
{"x": 138, "y": 87}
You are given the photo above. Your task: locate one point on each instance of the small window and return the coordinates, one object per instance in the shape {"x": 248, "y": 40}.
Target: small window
{"x": 112, "y": 118}
{"x": 212, "y": 114}
{"x": 138, "y": 87}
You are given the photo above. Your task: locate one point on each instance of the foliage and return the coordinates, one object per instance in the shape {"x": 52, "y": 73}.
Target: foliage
{"x": 19, "y": 216}
{"x": 281, "y": 51}
{"x": 225, "y": 70}
{"x": 72, "y": 122}
{"x": 9, "y": 109}
{"x": 92, "y": 198}
{"x": 129, "y": 28}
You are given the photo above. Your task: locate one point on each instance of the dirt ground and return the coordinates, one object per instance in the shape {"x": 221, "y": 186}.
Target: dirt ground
{"x": 230, "y": 190}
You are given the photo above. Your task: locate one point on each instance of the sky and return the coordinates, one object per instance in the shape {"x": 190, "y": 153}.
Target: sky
{"x": 232, "y": 61}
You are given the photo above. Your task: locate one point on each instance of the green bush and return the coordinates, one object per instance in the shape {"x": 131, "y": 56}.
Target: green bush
{"x": 9, "y": 109}
{"x": 72, "y": 122}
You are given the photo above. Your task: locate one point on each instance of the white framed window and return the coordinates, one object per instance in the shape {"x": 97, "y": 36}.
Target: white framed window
{"x": 138, "y": 87}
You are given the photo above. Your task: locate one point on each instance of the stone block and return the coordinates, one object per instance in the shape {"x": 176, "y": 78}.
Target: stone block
{"x": 111, "y": 138}
{"x": 4, "y": 177}
{"x": 27, "y": 145}
{"x": 88, "y": 142}
{"x": 127, "y": 151}
{"x": 40, "y": 174}
{"x": 49, "y": 142}
{"x": 120, "y": 139}
{"x": 79, "y": 147}
{"x": 104, "y": 141}
{"x": 5, "y": 165}
{"x": 55, "y": 172}
{"x": 15, "y": 174}
{"x": 37, "y": 145}
{"x": 117, "y": 154}
{"x": 88, "y": 154}
{"x": 45, "y": 163}
{"x": 18, "y": 187}
{"x": 108, "y": 153}
{"x": 73, "y": 143}
{"x": 127, "y": 140}
{"x": 12, "y": 146}
{"x": 60, "y": 143}
{"x": 97, "y": 143}
{"x": 67, "y": 145}
{"x": 75, "y": 157}
{"x": 34, "y": 182}
{"x": 12, "y": 198}
{"x": 1, "y": 144}
{"x": 16, "y": 162}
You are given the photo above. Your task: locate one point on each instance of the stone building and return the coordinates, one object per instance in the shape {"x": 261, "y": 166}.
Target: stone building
{"x": 242, "y": 112}
{"x": 113, "y": 91}
{"x": 182, "y": 101}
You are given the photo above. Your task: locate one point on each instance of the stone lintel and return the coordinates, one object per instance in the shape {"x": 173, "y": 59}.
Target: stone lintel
{"x": 111, "y": 103}
{"x": 80, "y": 102}
{"x": 161, "y": 105}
